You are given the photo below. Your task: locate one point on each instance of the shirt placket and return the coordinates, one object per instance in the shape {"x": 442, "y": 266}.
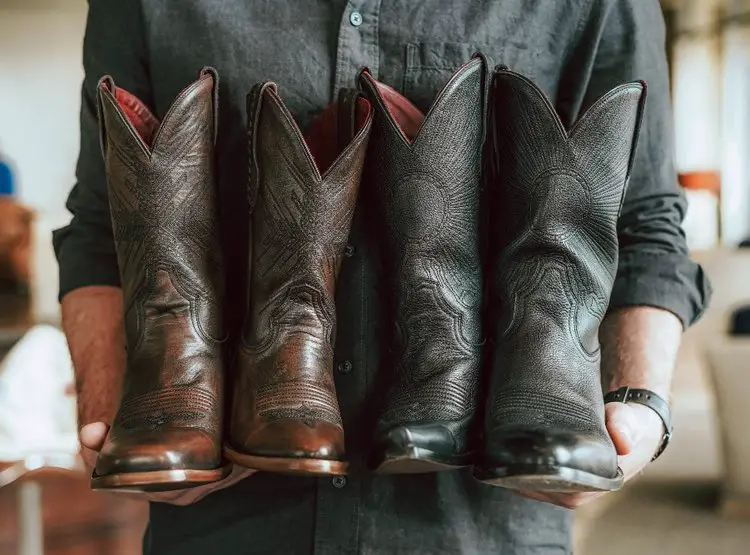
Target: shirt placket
{"x": 339, "y": 498}
{"x": 358, "y": 45}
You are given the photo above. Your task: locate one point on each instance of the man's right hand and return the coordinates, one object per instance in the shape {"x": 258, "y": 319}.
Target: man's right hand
{"x": 92, "y": 438}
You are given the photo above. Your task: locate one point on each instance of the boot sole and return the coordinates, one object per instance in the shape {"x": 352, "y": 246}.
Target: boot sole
{"x": 158, "y": 480}
{"x": 288, "y": 465}
{"x": 417, "y": 460}
{"x": 547, "y": 478}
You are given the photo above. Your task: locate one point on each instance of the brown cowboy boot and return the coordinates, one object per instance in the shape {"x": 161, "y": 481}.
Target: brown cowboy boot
{"x": 555, "y": 199}
{"x": 423, "y": 188}
{"x": 167, "y": 432}
{"x": 285, "y": 411}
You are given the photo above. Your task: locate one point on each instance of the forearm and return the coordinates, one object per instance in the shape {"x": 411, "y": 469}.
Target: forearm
{"x": 92, "y": 320}
{"x": 639, "y": 349}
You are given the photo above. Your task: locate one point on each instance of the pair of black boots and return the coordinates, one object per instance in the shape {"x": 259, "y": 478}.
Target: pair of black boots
{"x": 498, "y": 230}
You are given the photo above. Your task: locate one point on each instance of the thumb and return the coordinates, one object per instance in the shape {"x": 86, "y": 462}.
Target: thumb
{"x": 92, "y": 435}
{"x": 622, "y": 425}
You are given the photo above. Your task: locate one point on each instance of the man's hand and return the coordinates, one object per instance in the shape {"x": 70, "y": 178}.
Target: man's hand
{"x": 92, "y": 438}
{"x": 639, "y": 348}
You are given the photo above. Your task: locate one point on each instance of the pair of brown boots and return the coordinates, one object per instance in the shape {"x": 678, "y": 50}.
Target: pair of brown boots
{"x": 422, "y": 182}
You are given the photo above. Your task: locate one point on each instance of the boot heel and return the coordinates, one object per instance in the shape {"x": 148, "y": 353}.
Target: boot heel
{"x": 288, "y": 465}
{"x": 158, "y": 480}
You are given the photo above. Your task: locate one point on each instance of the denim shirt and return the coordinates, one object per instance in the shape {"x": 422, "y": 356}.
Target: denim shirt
{"x": 575, "y": 50}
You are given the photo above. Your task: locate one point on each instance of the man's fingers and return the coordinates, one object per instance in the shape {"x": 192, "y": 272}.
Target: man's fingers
{"x": 623, "y": 427}
{"x": 92, "y": 435}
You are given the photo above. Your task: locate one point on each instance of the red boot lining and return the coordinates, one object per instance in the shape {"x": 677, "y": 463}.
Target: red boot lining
{"x": 407, "y": 116}
{"x": 141, "y": 118}
{"x": 322, "y": 136}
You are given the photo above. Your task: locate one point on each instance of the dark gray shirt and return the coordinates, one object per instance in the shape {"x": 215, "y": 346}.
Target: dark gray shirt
{"x": 576, "y": 50}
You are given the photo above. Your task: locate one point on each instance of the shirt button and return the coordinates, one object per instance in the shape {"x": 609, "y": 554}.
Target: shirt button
{"x": 338, "y": 482}
{"x": 345, "y": 367}
{"x": 355, "y": 18}
{"x": 349, "y": 251}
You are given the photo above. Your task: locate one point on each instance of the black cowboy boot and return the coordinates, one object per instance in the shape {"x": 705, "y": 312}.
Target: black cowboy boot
{"x": 285, "y": 415}
{"x": 423, "y": 200}
{"x": 556, "y": 198}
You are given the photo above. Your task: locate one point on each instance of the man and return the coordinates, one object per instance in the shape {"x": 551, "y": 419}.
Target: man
{"x": 575, "y": 50}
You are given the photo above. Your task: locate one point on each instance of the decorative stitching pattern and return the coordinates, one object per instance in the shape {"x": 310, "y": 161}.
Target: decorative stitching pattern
{"x": 182, "y": 406}
{"x": 555, "y": 254}
{"x": 426, "y": 201}
{"x": 301, "y": 223}
{"x": 165, "y": 224}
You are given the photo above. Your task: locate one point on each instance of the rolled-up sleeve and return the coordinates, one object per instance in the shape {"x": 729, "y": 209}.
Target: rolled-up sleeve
{"x": 113, "y": 45}
{"x": 654, "y": 265}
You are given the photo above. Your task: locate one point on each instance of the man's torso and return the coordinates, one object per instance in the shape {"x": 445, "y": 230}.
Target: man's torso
{"x": 312, "y": 49}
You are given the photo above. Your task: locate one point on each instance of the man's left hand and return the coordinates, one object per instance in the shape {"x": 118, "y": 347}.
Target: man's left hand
{"x": 636, "y": 431}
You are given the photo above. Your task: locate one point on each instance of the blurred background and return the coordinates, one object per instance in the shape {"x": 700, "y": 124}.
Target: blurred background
{"x": 694, "y": 500}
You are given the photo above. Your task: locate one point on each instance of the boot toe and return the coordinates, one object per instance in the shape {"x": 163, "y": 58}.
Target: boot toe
{"x": 553, "y": 449}
{"x": 296, "y": 439}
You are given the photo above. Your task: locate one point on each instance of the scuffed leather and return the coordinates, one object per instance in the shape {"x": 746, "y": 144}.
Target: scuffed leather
{"x": 553, "y": 225}
{"x": 423, "y": 188}
{"x": 285, "y": 402}
{"x": 162, "y": 195}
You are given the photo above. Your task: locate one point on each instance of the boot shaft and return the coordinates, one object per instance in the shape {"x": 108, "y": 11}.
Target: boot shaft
{"x": 303, "y": 192}
{"x": 424, "y": 171}
{"x": 555, "y": 204}
{"x": 422, "y": 192}
{"x": 162, "y": 197}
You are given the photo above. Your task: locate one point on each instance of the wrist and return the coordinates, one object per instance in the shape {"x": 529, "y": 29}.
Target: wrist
{"x": 660, "y": 387}
{"x": 639, "y": 349}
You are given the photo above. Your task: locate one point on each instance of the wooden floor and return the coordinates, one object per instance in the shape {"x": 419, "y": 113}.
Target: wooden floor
{"x": 76, "y": 520}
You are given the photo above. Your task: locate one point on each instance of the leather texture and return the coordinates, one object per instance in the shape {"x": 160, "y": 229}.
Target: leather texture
{"x": 303, "y": 191}
{"x": 423, "y": 188}
{"x": 649, "y": 399}
{"x": 162, "y": 195}
{"x": 554, "y": 204}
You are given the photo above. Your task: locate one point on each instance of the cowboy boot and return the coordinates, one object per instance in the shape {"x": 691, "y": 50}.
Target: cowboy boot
{"x": 556, "y": 198}
{"x": 285, "y": 415}
{"x": 423, "y": 192}
{"x": 162, "y": 195}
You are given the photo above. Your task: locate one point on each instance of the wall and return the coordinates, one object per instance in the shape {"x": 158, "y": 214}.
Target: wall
{"x": 735, "y": 163}
{"x": 40, "y": 80}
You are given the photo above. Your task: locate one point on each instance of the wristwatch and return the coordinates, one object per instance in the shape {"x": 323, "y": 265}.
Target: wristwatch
{"x": 651, "y": 400}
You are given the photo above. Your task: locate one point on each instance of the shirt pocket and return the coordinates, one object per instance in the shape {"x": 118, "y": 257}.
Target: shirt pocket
{"x": 429, "y": 65}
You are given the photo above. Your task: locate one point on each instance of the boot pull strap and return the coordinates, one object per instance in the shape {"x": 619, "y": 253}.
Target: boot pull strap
{"x": 486, "y": 92}
{"x": 634, "y": 147}
{"x": 254, "y": 106}
{"x": 347, "y": 117}
{"x": 214, "y": 99}
{"x": 110, "y": 83}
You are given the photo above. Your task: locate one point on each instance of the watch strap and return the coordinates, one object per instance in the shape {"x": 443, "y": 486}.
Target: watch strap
{"x": 647, "y": 398}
